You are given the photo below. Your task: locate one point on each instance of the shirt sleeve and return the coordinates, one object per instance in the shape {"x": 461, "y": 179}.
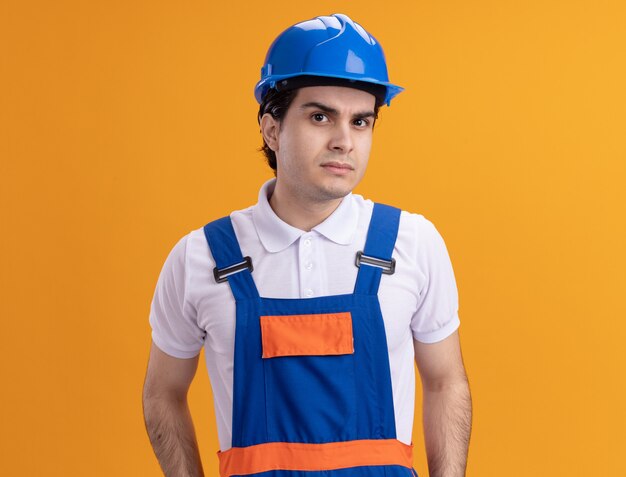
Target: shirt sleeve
{"x": 437, "y": 315}
{"x": 174, "y": 326}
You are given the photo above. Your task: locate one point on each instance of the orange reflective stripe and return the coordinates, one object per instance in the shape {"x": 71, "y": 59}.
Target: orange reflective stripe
{"x": 303, "y": 335}
{"x": 297, "y": 456}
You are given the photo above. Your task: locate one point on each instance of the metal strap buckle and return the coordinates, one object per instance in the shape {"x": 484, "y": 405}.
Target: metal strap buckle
{"x": 222, "y": 274}
{"x": 388, "y": 266}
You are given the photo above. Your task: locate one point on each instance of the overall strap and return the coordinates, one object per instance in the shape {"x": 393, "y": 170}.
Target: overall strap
{"x": 230, "y": 263}
{"x": 376, "y": 257}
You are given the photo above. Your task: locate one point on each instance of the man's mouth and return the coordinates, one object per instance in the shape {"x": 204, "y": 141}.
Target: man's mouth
{"x": 338, "y": 167}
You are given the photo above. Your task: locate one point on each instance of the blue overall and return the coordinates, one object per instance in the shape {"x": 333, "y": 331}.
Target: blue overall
{"x": 312, "y": 399}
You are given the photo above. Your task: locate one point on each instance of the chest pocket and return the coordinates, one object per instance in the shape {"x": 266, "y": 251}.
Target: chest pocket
{"x": 309, "y": 377}
{"x": 307, "y": 335}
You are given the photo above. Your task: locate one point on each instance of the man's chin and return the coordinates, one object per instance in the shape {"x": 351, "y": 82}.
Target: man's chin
{"x": 335, "y": 192}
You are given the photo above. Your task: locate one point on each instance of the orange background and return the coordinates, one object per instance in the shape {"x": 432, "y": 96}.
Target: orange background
{"x": 124, "y": 125}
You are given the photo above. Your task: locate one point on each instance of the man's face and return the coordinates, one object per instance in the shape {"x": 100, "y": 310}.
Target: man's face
{"x": 324, "y": 142}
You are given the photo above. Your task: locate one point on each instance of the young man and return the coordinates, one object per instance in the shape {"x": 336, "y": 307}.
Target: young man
{"x": 312, "y": 305}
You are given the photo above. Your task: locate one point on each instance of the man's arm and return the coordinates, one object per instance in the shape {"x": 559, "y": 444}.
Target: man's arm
{"x": 167, "y": 416}
{"x": 447, "y": 406}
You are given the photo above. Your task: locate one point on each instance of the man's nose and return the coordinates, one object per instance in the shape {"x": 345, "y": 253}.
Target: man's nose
{"x": 341, "y": 139}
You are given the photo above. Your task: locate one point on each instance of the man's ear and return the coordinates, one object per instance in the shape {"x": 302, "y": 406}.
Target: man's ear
{"x": 269, "y": 129}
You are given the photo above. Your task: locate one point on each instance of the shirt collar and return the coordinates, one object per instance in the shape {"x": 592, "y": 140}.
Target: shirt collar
{"x": 276, "y": 235}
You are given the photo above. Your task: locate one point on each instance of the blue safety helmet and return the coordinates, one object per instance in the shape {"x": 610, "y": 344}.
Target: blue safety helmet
{"x": 328, "y": 47}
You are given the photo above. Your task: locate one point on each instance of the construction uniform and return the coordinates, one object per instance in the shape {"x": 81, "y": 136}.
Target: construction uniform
{"x": 312, "y": 389}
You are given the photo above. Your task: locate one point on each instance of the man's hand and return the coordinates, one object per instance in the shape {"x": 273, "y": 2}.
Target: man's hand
{"x": 167, "y": 416}
{"x": 447, "y": 406}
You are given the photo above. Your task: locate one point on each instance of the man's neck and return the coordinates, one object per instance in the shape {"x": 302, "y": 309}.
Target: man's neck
{"x": 301, "y": 214}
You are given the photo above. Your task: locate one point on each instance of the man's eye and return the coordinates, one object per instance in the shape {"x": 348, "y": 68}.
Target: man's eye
{"x": 319, "y": 117}
{"x": 361, "y": 122}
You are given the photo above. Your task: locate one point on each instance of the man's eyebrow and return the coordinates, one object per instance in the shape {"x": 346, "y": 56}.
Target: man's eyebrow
{"x": 320, "y": 106}
{"x": 334, "y": 112}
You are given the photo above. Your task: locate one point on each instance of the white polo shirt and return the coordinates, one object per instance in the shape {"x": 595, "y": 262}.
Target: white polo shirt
{"x": 419, "y": 301}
